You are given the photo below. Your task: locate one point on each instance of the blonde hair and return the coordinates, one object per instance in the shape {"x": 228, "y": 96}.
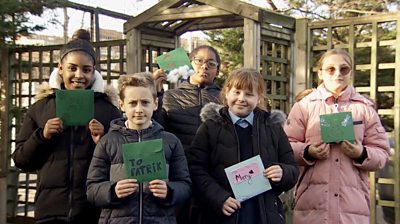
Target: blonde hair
{"x": 141, "y": 79}
{"x": 336, "y": 51}
{"x": 246, "y": 79}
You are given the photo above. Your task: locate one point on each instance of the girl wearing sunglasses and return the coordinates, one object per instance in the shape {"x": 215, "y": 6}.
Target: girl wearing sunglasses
{"x": 334, "y": 187}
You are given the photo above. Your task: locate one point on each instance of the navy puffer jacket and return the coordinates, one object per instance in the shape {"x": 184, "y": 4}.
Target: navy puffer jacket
{"x": 107, "y": 169}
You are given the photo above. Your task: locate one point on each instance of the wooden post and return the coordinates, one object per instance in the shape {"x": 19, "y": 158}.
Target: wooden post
{"x": 97, "y": 26}
{"x": 299, "y": 76}
{"x": 4, "y": 136}
{"x": 65, "y": 25}
{"x": 396, "y": 135}
{"x": 133, "y": 51}
{"x": 251, "y": 44}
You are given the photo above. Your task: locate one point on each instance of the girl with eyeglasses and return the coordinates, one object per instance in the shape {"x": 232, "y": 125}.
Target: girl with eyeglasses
{"x": 334, "y": 187}
{"x": 179, "y": 109}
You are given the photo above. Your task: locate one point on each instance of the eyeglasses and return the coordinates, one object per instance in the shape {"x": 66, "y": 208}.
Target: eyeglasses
{"x": 343, "y": 70}
{"x": 210, "y": 63}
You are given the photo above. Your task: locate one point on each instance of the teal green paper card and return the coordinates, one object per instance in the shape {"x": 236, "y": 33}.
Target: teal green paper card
{"x": 173, "y": 59}
{"x": 75, "y": 107}
{"x": 246, "y": 178}
{"x": 337, "y": 127}
{"x": 145, "y": 161}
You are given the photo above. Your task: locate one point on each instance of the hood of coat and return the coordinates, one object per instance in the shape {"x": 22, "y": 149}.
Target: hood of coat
{"x": 278, "y": 117}
{"x": 349, "y": 94}
{"x": 55, "y": 82}
{"x": 119, "y": 126}
{"x": 211, "y": 111}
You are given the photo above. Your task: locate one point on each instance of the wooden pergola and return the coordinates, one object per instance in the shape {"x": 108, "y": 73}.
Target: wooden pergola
{"x": 158, "y": 29}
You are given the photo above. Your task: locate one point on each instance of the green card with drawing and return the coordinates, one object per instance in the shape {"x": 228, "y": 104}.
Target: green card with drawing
{"x": 337, "y": 127}
{"x": 75, "y": 107}
{"x": 173, "y": 59}
{"x": 145, "y": 161}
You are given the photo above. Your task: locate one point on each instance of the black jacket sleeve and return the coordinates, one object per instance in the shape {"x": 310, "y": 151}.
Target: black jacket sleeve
{"x": 99, "y": 187}
{"x": 179, "y": 182}
{"x": 286, "y": 161}
{"x": 32, "y": 148}
{"x": 160, "y": 115}
{"x": 204, "y": 184}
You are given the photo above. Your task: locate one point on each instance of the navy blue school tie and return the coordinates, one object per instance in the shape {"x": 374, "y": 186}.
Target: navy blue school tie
{"x": 242, "y": 123}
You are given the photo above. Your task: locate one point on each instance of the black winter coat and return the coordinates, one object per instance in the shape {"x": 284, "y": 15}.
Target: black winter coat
{"x": 107, "y": 168}
{"x": 179, "y": 109}
{"x": 215, "y": 147}
{"x": 62, "y": 162}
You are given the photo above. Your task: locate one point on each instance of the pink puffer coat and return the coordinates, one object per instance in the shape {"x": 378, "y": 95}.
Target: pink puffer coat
{"x": 335, "y": 190}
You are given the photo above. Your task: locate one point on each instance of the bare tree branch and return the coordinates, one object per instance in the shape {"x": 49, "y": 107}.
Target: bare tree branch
{"x": 272, "y": 4}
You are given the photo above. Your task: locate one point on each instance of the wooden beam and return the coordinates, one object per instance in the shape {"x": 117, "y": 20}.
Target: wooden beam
{"x": 236, "y": 7}
{"x": 210, "y": 23}
{"x": 143, "y": 17}
{"x": 155, "y": 31}
{"x": 277, "y": 19}
{"x": 384, "y": 17}
{"x": 202, "y": 11}
{"x": 186, "y": 25}
{"x": 99, "y": 10}
{"x": 212, "y": 26}
{"x": 159, "y": 38}
{"x": 155, "y": 43}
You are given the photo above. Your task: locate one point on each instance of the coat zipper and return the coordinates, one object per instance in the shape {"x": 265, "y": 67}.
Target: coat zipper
{"x": 140, "y": 188}
{"x": 71, "y": 164}
{"x": 200, "y": 101}
{"x": 336, "y": 104}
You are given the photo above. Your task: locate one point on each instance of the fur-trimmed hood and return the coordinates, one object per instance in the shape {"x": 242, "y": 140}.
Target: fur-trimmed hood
{"x": 211, "y": 111}
{"x": 55, "y": 82}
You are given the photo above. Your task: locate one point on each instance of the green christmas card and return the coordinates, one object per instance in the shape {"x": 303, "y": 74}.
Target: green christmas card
{"x": 337, "y": 127}
{"x": 75, "y": 107}
{"x": 145, "y": 161}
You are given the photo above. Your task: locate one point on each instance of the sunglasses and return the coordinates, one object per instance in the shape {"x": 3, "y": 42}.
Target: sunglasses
{"x": 210, "y": 63}
{"x": 343, "y": 70}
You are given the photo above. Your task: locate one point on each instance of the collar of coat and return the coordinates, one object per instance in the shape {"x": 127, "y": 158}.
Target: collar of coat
{"x": 188, "y": 85}
{"x": 349, "y": 94}
{"x": 119, "y": 126}
{"x": 55, "y": 82}
{"x": 214, "y": 111}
